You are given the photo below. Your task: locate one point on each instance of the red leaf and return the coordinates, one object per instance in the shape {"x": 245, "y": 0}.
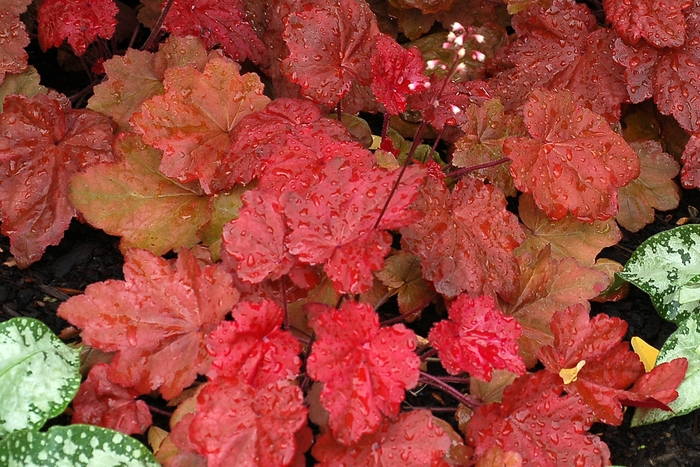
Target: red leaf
{"x": 156, "y": 319}
{"x": 396, "y": 73}
{"x": 640, "y": 64}
{"x": 560, "y": 47}
{"x": 477, "y": 338}
{"x": 42, "y": 144}
{"x": 660, "y": 23}
{"x": 79, "y": 21}
{"x": 253, "y": 348}
{"x": 466, "y": 239}
{"x": 364, "y": 369}
{"x": 414, "y": 439}
{"x": 573, "y": 162}
{"x": 239, "y": 425}
{"x": 193, "y": 120}
{"x": 253, "y": 244}
{"x": 608, "y": 367}
{"x": 329, "y": 43}
{"x": 13, "y": 57}
{"x": 293, "y": 124}
{"x": 658, "y": 387}
{"x": 103, "y": 403}
{"x": 218, "y": 22}
{"x": 535, "y": 421}
{"x": 333, "y": 222}
{"x": 690, "y": 173}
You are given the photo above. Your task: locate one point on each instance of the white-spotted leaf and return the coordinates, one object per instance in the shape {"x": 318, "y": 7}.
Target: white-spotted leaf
{"x": 665, "y": 265}
{"x": 76, "y": 446}
{"x": 685, "y": 342}
{"x": 38, "y": 375}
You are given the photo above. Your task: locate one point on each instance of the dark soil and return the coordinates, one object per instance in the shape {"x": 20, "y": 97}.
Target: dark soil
{"x": 86, "y": 255}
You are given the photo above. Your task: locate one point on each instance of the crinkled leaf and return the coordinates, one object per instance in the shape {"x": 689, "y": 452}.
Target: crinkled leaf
{"x": 402, "y": 274}
{"x": 75, "y": 445}
{"x": 225, "y": 206}
{"x": 690, "y": 174}
{"x": 485, "y": 129}
{"x": 416, "y": 438}
{"x": 549, "y": 284}
{"x": 682, "y": 344}
{"x": 192, "y": 121}
{"x": 653, "y": 189}
{"x": 253, "y": 244}
{"x": 640, "y": 64}
{"x": 658, "y": 387}
{"x": 274, "y": 135}
{"x": 396, "y": 73}
{"x": 333, "y": 223}
{"x": 236, "y": 424}
{"x": 568, "y": 236}
{"x": 13, "y": 57}
{"x": 477, "y": 338}
{"x": 101, "y": 402}
{"x": 465, "y": 239}
{"x": 42, "y": 144}
{"x": 253, "y": 348}
{"x": 559, "y": 47}
{"x": 132, "y": 199}
{"x": 661, "y": 23}
{"x": 156, "y": 319}
{"x": 329, "y": 43}
{"x": 81, "y": 22}
{"x": 574, "y": 162}
{"x": 38, "y": 375}
{"x": 663, "y": 265}
{"x": 224, "y": 23}
{"x": 560, "y": 436}
{"x": 364, "y": 369}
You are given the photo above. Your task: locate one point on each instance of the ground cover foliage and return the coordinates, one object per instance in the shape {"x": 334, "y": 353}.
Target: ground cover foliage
{"x": 279, "y": 256}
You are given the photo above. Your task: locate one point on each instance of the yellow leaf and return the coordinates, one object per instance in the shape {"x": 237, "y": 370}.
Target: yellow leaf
{"x": 647, "y": 353}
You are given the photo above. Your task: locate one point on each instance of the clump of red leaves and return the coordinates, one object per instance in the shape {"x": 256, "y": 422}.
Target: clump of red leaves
{"x": 286, "y": 221}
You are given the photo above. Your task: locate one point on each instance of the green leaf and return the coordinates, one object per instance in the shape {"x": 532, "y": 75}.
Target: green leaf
{"x": 74, "y": 445}
{"x": 38, "y": 375}
{"x": 685, "y": 342}
{"x": 663, "y": 265}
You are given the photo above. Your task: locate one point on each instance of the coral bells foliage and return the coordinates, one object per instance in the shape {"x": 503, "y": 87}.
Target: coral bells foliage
{"x": 292, "y": 234}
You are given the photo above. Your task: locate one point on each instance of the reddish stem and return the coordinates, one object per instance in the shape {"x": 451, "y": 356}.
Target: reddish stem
{"x": 156, "y": 29}
{"x": 459, "y": 173}
{"x": 430, "y": 380}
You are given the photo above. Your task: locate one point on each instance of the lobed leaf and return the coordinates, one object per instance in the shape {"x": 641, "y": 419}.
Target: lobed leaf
{"x": 43, "y": 142}
{"x": 662, "y": 24}
{"x": 364, "y": 369}
{"x": 156, "y": 319}
{"x": 80, "y": 22}
{"x": 133, "y": 199}
{"x": 13, "y": 57}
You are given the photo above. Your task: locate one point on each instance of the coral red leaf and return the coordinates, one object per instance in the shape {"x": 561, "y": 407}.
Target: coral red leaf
{"x": 640, "y": 63}
{"x": 658, "y": 387}
{"x": 661, "y": 23}
{"x": 284, "y": 126}
{"x": 477, "y": 338}
{"x": 13, "y": 57}
{"x": 42, "y": 144}
{"x": 79, "y": 21}
{"x": 559, "y": 436}
{"x": 466, "y": 239}
{"x": 396, "y": 73}
{"x": 253, "y": 347}
{"x": 364, "y": 369}
{"x": 218, "y": 22}
{"x": 414, "y": 439}
{"x": 333, "y": 222}
{"x": 690, "y": 173}
{"x": 573, "y": 162}
{"x": 156, "y": 319}
{"x": 253, "y": 244}
{"x": 101, "y": 402}
{"x": 329, "y": 43}
{"x": 191, "y": 122}
{"x": 239, "y": 425}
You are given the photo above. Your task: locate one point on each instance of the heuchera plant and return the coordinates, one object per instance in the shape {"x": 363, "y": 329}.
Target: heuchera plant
{"x": 235, "y": 138}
